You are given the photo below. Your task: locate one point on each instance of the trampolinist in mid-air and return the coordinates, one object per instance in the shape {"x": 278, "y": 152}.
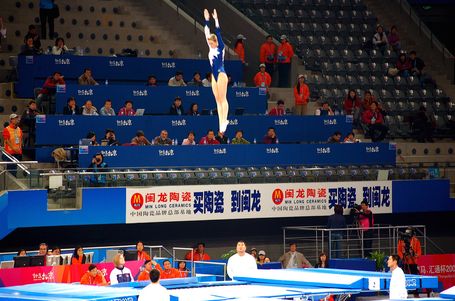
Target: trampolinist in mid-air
{"x": 219, "y": 76}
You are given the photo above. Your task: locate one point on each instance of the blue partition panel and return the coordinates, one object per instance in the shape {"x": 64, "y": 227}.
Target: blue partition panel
{"x": 33, "y": 70}
{"x": 158, "y": 100}
{"x": 68, "y": 130}
{"x": 241, "y": 155}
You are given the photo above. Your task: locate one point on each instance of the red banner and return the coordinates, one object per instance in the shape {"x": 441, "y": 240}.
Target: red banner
{"x": 58, "y": 274}
{"x": 442, "y": 266}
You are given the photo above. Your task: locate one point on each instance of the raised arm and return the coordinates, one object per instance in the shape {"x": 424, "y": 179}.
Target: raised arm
{"x": 218, "y": 30}
{"x": 206, "y": 26}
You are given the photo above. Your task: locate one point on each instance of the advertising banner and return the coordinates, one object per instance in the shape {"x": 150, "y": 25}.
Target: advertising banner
{"x": 220, "y": 202}
{"x": 441, "y": 265}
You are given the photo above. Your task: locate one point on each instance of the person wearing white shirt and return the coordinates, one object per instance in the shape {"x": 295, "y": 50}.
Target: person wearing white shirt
{"x": 120, "y": 273}
{"x": 241, "y": 261}
{"x": 154, "y": 291}
{"x": 398, "y": 281}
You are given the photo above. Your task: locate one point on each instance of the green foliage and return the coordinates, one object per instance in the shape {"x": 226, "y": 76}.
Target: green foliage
{"x": 228, "y": 254}
{"x": 379, "y": 258}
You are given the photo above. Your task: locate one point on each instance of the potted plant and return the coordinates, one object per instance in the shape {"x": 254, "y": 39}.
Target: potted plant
{"x": 378, "y": 257}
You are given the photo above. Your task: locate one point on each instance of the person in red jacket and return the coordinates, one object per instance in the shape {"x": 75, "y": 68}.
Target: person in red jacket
{"x": 285, "y": 53}
{"x": 267, "y": 54}
{"x": 374, "y": 122}
{"x": 12, "y": 142}
{"x": 352, "y": 103}
{"x": 141, "y": 254}
{"x": 209, "y": 138}
{"x": 239, "y": 47}
{"x": 169, "y": 272}
{"x": 46, "y": 97}
{"x": 198, "y": 254}
{"x": 301, "y": 96}
{"x": 262, "y": 78}
{"x": 93, "y": 277}
{"x": 78, "y": 256}
{"x": 278, "y": 110}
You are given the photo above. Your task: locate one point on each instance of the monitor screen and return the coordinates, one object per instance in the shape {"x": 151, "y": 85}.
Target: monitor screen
{"x": 21, "y": 261}
{"x": 130, "y": 255}
{"x": 37, "y": 260}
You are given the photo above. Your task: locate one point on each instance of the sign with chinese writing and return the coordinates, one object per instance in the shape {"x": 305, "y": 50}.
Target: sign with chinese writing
{"x": 187, "y": 203}
{"x": 441, "y": 265}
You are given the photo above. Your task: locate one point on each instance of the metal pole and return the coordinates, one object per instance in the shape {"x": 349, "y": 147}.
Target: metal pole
{"x": 425, "y": 240}
{"x": 330, "y": 244}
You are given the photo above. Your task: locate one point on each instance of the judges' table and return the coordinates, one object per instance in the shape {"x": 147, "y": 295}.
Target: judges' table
{"x": 158, "y": 100}
{"x": 33, "y": 70}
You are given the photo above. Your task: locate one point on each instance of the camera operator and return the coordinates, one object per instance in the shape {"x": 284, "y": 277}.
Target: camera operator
{"x": 409, "y": 250}
{"x": 98, "y": 165}
{"x": 365, "y": 218}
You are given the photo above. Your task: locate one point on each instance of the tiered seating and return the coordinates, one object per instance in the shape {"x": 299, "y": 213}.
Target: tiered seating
{"x": 329, "y": 35}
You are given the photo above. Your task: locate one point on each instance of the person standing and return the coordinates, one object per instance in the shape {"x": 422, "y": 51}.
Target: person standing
{"x": 284, "y": 58}
{"x": 336, "y": 221}
{"x": 12, "y": 142}
{"x": 409, "y": 251}
{"x": 241, "y": 261}
{"x": 46, "y": 14}
{"x": 154, "y": 291}
{"x": 239, "y": 47}
{"x": 141, "y": 253}
{"x": 397, "y": 289}
{"x": 262, "y": 78}
{"x": 301, "y": 96}
{"x": 293, "y": 259}
{"x": 27, "y": 123}
{"x": 267, "y": 55}
{"x": 366, "y": 222}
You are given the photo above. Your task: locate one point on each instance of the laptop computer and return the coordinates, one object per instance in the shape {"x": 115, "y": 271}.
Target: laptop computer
{"x": 9, "y": 264}
{"x": 139, "y": 112}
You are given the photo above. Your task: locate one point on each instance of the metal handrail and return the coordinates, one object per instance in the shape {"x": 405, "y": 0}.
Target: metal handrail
{"x": 214, "y": 263}
{"x": 15, "y": 161}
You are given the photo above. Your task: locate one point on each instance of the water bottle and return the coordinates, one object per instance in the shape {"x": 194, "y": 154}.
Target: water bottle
{"x": 277, "y": 141}
{"x": 254, "y": 141}
{"x": 228, "y": 141}
{"x": 106, "y": 82}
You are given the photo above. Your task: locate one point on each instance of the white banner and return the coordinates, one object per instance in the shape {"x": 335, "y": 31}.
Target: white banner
{"x": 218, "y": 202}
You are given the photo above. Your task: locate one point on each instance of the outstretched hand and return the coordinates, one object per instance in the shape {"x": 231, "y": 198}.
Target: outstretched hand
{"x": 214, "y": 14}
{"x": 206, "y": 15}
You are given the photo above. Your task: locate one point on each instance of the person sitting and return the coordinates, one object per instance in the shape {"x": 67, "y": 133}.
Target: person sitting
{"x": 183, "y": 269}
{"x": 93, "y": 277}
{"x": 98, "y": 165}
{"x": 177, "y": 80}
{"x": 162, "y": 139}
{"x": 254, "y": 252}
{"x": 423, "y": 125}
{"x": 154, "y": 291}
{"x": 394, "y": 39}
{"x": 368, "y": 98}
{"x": 293, "y": 258}
{"x": 169, "y": 272}
{"x": 29, "y": 48}
{"x": 262, "y": 78}
{"x": 127, "y": 110}
{"x": 403, "y": 65}
{"x": 324, "y": 110}
{"x": 109, "y": 137}
{"x": 198, "y": 254}
{"x": 270, "y": 137}
{"x": 59, "y": 48}
{"x": 190, "y": 139}
{"x": 209, "y": 138}
{"x": 374, "y": 122}
{"x": 22, "y": 252}
{"x": 46, "y": 97}
{"x": 107, "y": 109}
{"x": 141, "y": 254}
{"x": 88, "y": 109}
{"x": 352, "y": 104}
{"x": 78, "y": 256}
{"x": 278, "y": 110}
{"x": 417, "y": 64}
{"x": 140, "y": 139}
{"x": 222, "y": 138}
{"x": 323, "y": 262}
{"x": 71, "y": 107}
{"x": 177, "y": 108}
{"x": 92, "y": 136}
{"x": 350, "y": 138}
{"x": 34, "y": 35}
{"x": 238, "y": 139}
{"x": 120, "y": 273}
{"x": 86, "y": 79}
{"x": 262, "y": 258}
{"x": 151, "y": 81}
{"x": 335, "y": 138}
{"x": 380, "y": 40}
{"x": 27, "y": 123}
{"x": 207, "y": 81}
{"x": 149, "y": 265}
{"x": 196, "y": 80}
{"x": 193, "y": 110}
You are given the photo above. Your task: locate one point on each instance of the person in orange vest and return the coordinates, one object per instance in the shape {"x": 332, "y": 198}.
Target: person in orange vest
{"x": 267, "y": 55}
{"x": 148, "y": 266}
{"x": 239, "y": 47}
{"x": 198, "y": 254}
{"x": 169, "y": 272}
{"x": 12, "y": 142}
{"x": 93, "y": 277}
{"x": 285, "y": 53}
{"x": 262, "y": 78}
{"x": 409, "y": 250}
{"x": 78, "y": 256}
{"x": 141, "y": 254}
{"x": 301, "y": 96}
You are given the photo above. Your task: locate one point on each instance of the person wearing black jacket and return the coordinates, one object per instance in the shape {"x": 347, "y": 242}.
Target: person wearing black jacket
{"x": 417, "y": 64}
{"x": 71, "y": 107}
{"x": 177, "y": 108}
{"x": 336, "y": 221}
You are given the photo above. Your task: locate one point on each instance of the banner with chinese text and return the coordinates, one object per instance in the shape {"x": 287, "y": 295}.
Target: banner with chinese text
{"x": 218, "y": 202}
{"x": 441, "y": 265}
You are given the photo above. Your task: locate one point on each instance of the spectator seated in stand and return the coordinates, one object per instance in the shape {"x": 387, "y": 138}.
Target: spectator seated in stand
{"x": 46, "y": 97}
{"x": 380, "y": 40}
{"x": 169, "y": 272}
{"x": 404, "y": 65}
{"x": 222, "y": 138}
{"x": 323, "y": 261}
{"x": 93, "y": 277}
{"x": 262, "y": 78}
{"x": 177, "y": 80}
{"x": 209, "y": 138}
{"x": 198, "y": 253}
{"x": 352, "y": 104}
{"x": 32, "y": 33}
{"x": 190, "y": 140}
{"x": 324, "y": 110}
{"x": 350, "y": 138}
{"x": 151, "y": 81}
{"x": 417, "y": 66}
{"x": 98, "y": 165}
{"x": 262, "y": 258}
{"x": 88, "y": 109}
{"x": 59, "y": 48}
{"x": 423, "y": 125}
{"x": 140, "y": 139}
{"x": 193, "y": 110}
{"x": 22, "y": 252}
{"x": 270, "y": 137}
{"x": 238, "y": 139}
{"x": 183, "y": 270}
{"x": 162, "y": 139}
{"x": 27, "y": 123}
{"x": 107, "y": 109}
{"x": 207, "y": 81}
{"x": 368, "y": 98}
{"x": 92, "y": 136}
{"x": 78, "y": 256}
{"x": 394, "y": 39}
{"x": 374, "y": 123}
{"x": 335, "y": 138}
{"x": 127, "y": 110}
{"x": 177, "y": 108}
{"x": 279, "y": 110}
{"x": 86, "y": 79}
{"x": 109, "y": 138}
{"x": 71, "y": 107}
{"x": 196, "y": 80}
{"x": 29, "y": 48}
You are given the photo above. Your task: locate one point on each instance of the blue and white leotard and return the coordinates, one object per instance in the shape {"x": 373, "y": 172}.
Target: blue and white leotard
{"x": 216, "y": 55}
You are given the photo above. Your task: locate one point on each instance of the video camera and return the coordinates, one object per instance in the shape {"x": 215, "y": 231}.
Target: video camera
{"x": 355, "y": 210}
{"x": 406, "y": 238}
